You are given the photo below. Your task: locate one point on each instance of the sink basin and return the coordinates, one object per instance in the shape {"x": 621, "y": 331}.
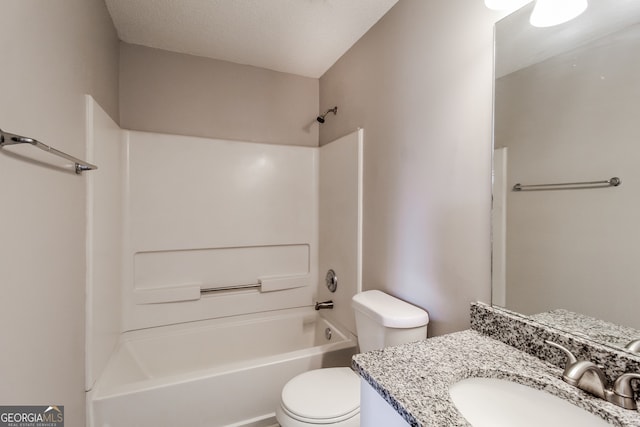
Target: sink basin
{"x": 493, "y": 402}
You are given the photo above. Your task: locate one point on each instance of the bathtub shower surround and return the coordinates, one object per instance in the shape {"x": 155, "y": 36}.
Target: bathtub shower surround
{"x": 219, "y": 273}
{"x": 219, "y": 228}
{"x": 215, "y": 372}
{"x": 104, "y": 240}
{"x": 219, "y": 216}
{"x": 340, "y": 224}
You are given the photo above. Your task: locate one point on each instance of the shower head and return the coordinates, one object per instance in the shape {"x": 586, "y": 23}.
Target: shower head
{"x": 333, "y": 110}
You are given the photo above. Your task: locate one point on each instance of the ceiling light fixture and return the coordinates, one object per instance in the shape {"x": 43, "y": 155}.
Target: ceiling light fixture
{"x": 505, "y": 4}
{"x": 547, "y": 13}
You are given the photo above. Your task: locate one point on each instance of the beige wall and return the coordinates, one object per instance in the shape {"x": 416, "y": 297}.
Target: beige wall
{"x": 420, "y": 84}
{"x": 53, "y": 52}
{"x": 181, "y": 94}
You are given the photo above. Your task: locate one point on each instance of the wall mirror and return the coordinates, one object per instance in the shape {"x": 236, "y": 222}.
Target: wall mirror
{"x": 567, "y": 110}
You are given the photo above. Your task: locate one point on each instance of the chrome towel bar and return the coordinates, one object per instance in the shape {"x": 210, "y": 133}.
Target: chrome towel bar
{"x": 7, "y": 138}
{"x": 613, "y": 182}
{"x": 205, "y": 291}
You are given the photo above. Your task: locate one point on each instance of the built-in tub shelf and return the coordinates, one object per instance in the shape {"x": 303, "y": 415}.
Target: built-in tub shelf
{"x": 187, "y": 275}
{"x": 194, "y": 291}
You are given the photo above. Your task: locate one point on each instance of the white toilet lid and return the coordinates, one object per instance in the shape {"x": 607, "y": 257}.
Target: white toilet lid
{"x": 323, "y": 394}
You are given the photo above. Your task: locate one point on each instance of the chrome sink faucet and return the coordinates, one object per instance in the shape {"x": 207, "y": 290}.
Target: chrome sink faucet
{"x": 589, "y": 377}
{"x": 583, "y": 374}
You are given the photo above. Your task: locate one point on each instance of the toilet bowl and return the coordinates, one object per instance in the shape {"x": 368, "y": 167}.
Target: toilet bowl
{"x": 331, "y": 396}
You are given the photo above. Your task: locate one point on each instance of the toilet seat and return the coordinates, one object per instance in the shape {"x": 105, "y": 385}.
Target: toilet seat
{"x": 322, "y": 396}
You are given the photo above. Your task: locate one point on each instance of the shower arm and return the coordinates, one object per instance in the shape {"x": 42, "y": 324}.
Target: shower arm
{"x": 333, "y": 110}
{"x": 321, "y": 117}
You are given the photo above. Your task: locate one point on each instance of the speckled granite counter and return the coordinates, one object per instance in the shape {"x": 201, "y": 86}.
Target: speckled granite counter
{"x": 588, "y": 327}
{"x": 415, "y": 378}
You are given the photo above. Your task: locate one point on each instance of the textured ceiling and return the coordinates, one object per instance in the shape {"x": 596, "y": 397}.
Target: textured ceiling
{"x": 303, "y": 37}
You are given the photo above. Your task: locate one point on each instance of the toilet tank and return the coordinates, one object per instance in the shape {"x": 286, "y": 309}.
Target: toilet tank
{"x": 383, "y": 321}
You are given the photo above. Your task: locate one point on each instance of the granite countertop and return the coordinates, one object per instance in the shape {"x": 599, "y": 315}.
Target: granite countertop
{"x": 415, "y": 378}
{"x": 588, "y": 327}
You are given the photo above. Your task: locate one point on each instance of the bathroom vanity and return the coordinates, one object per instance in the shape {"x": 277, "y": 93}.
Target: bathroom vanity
{"x": 414, "y": 380}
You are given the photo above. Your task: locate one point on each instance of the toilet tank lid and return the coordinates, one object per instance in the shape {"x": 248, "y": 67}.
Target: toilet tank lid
{"x": 389, "y": 311}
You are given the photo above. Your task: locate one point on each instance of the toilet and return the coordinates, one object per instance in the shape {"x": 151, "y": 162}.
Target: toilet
{"x": 331, "y": 396}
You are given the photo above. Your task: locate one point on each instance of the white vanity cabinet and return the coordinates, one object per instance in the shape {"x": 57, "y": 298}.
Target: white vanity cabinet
{"x": 375, "y": 411}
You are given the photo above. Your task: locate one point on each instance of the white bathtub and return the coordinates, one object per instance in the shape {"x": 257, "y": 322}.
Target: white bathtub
{"x": 221, "y": 372}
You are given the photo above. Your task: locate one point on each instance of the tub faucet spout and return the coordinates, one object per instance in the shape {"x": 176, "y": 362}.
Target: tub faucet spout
{"x": 324, "y": 305}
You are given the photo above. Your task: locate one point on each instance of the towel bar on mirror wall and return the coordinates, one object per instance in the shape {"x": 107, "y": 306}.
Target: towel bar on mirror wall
{"x": 613, "y": 182}
{"x": 7, "y": 138}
